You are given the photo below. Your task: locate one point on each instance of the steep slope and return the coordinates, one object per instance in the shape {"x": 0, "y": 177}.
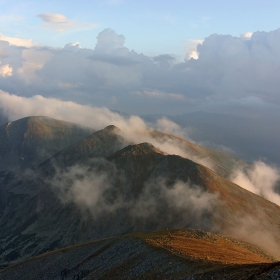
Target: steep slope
{"x": 97, "y": 145}
{"x": 176, "y": 254}
{"x": 137, "y": 188}
{"x": 29, "y": 141}
{"x": 220, "y": 162}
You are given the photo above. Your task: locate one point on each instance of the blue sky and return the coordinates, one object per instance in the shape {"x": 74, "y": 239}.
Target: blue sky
{"x": 150, "y": 27}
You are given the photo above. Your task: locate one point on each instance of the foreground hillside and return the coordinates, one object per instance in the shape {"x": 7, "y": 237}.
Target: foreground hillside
{"x": 174, "y": 254}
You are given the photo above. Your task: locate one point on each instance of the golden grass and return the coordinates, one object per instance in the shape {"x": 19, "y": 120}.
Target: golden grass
{"x": 221, "y": 251}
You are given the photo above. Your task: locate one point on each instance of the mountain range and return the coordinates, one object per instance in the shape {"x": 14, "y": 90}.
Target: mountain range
{"x": 62, "y": 184}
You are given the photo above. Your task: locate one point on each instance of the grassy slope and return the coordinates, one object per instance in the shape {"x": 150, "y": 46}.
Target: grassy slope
{"x": 175, "y": 254}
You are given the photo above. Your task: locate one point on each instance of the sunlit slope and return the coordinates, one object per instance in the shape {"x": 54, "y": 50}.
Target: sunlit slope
{"x": 141, "y": 189}
{"x": 29, "y": 141}
{"x": 220, "y": 162}
{"x": 107, "y": 141}
{"x": 174, "y": 254}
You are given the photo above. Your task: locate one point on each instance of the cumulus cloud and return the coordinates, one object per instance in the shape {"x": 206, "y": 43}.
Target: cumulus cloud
{"x": 108, "y": 41}
{"x": 246, "y": 36}
{"x": 228, "y": 69}
{"x": 6, "y": 70}
{"x": 34, "y": 60}
{"x": 60, "y": 22}
{"x": 192, "y": 48}
{"x": 261, "y": 179}
{"x": 164, "y": 60}
{"x": 19, "y": 42}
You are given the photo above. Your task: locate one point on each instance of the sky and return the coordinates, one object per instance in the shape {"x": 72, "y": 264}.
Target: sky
{"x": 142, "y": 57}
{"x": 152, "y": 28}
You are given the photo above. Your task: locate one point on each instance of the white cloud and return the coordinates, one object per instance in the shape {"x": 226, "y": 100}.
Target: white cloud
{"x": 133, "y": 128}
{"x": 166, "y": 125}
{"x": 33, "y": 60}
{"x": 191, "y": 48}
{"x": 108, "y": 41}
{"x": 227, "y": 69}
{"x": 14, "y": 41}
{"x": 6, "y": 70}
{"x": 50, "y": 17}
{"x": 60, "y": 22}
{"x": 261, "y": 180}
{"x": 192, "y": 44}
{"x": 246, "y": 36}
{"x": 191, "y": 54}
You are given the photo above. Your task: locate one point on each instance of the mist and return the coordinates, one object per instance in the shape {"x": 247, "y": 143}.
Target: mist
{"x": 133, "y": 128}
{"x": 101, "y": 188}
{"x": 261, "y": 179}
{"x": 256, "y": 231}
{"x": 93, "y": 188}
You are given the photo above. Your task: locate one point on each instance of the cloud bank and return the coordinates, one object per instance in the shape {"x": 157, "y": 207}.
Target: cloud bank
{"x": 227, "y": 69}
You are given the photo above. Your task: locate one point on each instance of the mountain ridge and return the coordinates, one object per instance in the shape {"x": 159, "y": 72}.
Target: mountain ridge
{"x": 104, "y": 185}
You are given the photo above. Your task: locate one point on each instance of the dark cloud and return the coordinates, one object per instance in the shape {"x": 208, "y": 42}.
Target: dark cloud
{"x": 116, "y": 60}
{"x": 229, "y": 69}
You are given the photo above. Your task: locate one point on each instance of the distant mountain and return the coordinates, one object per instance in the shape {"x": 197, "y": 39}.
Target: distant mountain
{"x": 174, "y": 254}
{"x": 104, "y": 186}
{"x": 29, "y": 141}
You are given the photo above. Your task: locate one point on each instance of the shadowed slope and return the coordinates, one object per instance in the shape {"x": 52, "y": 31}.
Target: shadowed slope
{"x": 174, "y": 254}
{"x": 29, "y": 141}
{"x": 138, "y": 188}
{"x": 97, "y": 145}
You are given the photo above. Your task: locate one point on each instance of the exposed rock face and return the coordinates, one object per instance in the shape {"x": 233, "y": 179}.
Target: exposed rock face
{"x": 29, "y": 141}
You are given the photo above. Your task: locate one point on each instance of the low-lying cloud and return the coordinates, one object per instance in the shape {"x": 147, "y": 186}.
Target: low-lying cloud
{"x": 133, "y": 128}
{"x": 101, "y": 188}
{"x": 256, "y": 230}
{"x": 179, "y": 205}
{"x": 91, "y": 188}
{"x": 260, "y": 179}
